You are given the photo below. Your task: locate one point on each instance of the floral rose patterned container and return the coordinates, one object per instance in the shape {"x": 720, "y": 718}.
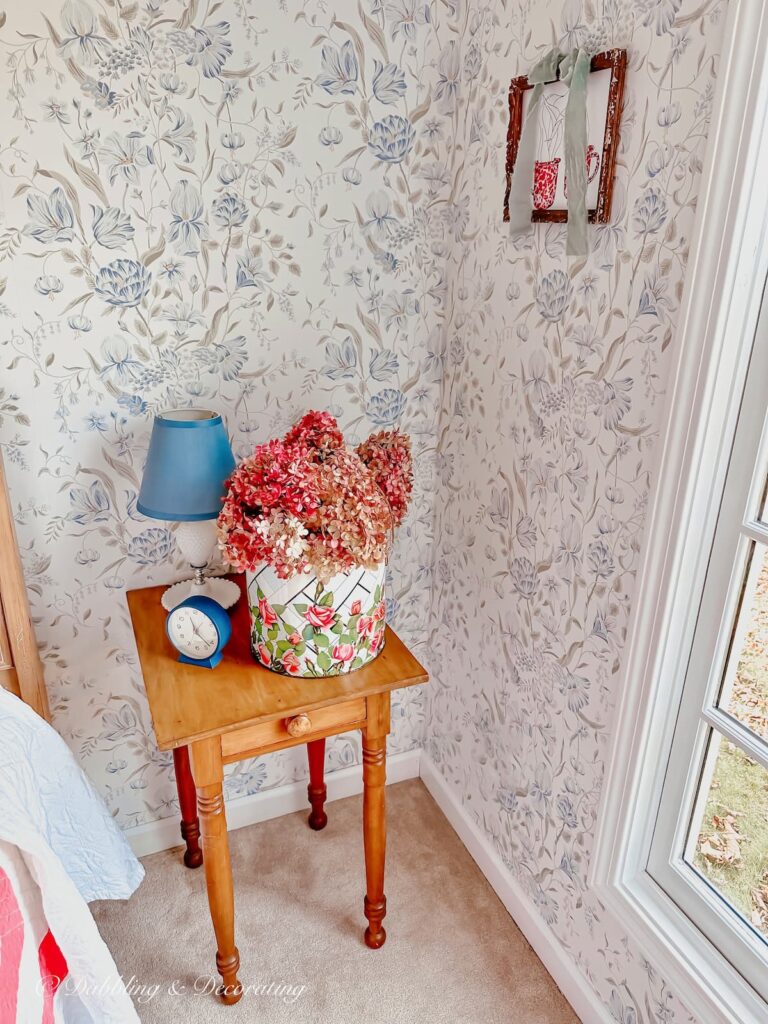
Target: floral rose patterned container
{"x": 301, "y": 627}
{"x": 310, "y": 521}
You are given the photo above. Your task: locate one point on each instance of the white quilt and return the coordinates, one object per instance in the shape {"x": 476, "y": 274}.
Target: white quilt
{"x": 72, "y": 849}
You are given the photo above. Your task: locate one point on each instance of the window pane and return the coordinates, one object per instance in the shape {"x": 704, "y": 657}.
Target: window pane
{"x": 745, "y": 694}
{"x": 731, "y": 850}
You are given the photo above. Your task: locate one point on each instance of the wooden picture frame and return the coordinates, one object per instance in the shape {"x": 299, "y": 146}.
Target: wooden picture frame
{"x": 614, "y": 61}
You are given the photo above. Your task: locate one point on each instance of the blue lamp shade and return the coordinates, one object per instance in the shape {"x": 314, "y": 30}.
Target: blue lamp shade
{"x": 188, "y": 463}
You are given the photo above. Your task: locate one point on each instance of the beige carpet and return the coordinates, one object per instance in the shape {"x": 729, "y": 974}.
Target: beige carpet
{"x": 453, "y": 955}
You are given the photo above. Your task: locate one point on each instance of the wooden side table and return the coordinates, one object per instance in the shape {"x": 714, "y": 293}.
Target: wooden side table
{"x": 210, "y": 718}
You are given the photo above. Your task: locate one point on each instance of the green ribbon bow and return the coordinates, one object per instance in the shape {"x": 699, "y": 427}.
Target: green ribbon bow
{"x": 572, "y": 69}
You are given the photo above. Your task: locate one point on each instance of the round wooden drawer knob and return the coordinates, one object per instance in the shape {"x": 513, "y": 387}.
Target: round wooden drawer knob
{"x": 299, "y": 726}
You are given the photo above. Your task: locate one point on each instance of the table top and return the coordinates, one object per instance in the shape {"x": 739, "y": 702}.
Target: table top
{"x": 190, "y": 703}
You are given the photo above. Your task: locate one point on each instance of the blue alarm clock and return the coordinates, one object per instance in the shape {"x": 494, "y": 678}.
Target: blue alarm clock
{"x": 199, "y": 629}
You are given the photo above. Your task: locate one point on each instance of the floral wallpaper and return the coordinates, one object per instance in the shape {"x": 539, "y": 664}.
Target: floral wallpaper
{"x": 262, "y": 211}
{"x": 224, "y": 205}
{"x": 551, "y": 401}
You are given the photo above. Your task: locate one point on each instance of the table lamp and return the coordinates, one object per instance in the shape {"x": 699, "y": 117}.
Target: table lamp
{"x": 188, "y": 463}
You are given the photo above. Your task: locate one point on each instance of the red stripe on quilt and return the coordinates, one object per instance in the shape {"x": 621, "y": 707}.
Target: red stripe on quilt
{"x": 11, "y": 945}
{"x": 53, "y": 970}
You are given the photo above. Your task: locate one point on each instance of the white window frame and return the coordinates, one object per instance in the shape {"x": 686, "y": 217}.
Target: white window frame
{"x": 721, "y": 626}
{"x": 726, "y": 274}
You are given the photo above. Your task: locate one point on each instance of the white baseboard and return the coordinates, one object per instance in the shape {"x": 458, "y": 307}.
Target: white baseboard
{"x": 271, "y": 803}
{"x": 568, "y": 978}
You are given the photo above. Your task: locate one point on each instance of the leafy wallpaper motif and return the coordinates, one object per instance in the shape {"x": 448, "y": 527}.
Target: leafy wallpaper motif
{"x": 551, "y": 400}
{"x": 261, "y": 211}
{"x": 205, "y": 204}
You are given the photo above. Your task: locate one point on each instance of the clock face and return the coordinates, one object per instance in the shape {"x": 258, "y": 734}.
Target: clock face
{"x": 193, "y": 633}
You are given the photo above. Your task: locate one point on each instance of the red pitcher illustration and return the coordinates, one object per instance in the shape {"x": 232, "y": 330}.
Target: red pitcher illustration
{"x": 592, "y": 161}
{"x": 545, "y": 183}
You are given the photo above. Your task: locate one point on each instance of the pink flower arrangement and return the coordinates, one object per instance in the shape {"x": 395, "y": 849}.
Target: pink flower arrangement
{"x": 388, "y": 456}
{"x": 319, "y": 431}
{"x": 310, "y": 503}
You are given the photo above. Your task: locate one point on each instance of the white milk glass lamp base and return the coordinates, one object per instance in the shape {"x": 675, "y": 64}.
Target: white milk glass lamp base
{"x": 196, "y": 541}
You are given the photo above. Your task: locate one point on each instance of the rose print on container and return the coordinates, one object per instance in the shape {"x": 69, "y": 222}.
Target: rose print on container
{"x": 302, "y": 627}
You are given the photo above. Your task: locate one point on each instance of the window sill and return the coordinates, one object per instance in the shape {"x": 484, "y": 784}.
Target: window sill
{"x": 709, "y": 987}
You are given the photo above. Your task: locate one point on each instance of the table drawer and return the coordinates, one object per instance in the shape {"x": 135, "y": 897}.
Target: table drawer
{"x": 284, "y": 732}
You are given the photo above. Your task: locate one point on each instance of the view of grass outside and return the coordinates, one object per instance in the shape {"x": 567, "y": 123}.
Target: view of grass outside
{"x": 732, "y": 847}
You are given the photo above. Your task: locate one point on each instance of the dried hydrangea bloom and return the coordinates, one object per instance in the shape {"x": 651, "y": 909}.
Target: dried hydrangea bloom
{"x": 352, "y": 524}
{"x": 387, "y": 455}
{"x": 276, "y": 486}
{"x": 317, "y": 431}
{"x": 309, "y": 503}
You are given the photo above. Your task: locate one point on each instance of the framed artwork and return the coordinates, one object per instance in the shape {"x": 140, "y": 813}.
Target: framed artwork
{"x": 549, "y": 188}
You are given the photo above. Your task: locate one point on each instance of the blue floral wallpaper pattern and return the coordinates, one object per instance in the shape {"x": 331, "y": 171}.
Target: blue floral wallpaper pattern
{"x": 551, "y": 403}
{"x": 208, "y": 204}
{"x": 264, "y": 210}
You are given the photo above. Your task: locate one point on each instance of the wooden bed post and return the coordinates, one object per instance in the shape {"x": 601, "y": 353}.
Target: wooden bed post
{"x": 21, "y": 670}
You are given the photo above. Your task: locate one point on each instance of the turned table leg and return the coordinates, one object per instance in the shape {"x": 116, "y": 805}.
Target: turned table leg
{"x": 316, "y": 790}
{"x": 208, "y": 772}
{"x": 374, "y": 816}
{"x": 190, "y": 823}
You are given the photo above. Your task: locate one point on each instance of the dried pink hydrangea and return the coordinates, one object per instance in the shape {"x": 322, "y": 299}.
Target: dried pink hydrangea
{"x": 318, "y": 432}
{"x": 310, "y": 503}
{"x": 351, "y": 525}
{"x": 387, "y": 455}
